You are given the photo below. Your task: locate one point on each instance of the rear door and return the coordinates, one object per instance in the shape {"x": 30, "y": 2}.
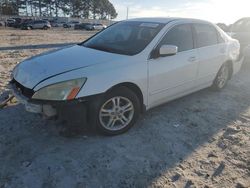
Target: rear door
{"x": 212, "y": 52}
{"x": 173, "y": 76}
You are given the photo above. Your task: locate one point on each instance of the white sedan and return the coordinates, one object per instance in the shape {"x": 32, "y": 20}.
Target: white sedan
{"x": 99, "y": 26}
{"x": 126, "y": 69}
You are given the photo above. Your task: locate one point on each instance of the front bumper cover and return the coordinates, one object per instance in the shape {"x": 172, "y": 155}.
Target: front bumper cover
{"x": 74, "y": 112}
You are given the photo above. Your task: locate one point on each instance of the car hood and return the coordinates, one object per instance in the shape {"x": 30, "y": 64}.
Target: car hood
{"x": 34, "y": 70}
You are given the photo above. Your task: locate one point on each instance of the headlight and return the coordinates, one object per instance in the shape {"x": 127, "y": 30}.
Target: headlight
{"x": 60, "y": 91}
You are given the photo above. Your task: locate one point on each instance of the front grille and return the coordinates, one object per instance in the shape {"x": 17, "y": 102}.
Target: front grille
{"x": 25, "y": 91}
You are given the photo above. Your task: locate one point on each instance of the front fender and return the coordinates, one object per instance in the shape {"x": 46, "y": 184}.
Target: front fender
{"x": 102, "y": 77}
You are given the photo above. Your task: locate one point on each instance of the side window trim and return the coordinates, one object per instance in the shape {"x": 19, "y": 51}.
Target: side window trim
{"x": 194, "y": 36}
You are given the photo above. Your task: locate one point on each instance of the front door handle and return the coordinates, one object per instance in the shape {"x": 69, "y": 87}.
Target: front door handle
{"x": 192, "y": 59}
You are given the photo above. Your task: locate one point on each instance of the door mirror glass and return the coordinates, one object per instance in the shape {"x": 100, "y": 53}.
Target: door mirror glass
{"x": 167, "y": 50}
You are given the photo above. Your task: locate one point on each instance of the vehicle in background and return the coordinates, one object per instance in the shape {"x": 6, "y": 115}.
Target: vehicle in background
{"x": 240, "y": 30}
{"x": 126, "y": 69}
{"x": 91, "y": 27}
{"x": 52, "y": 22}
{"x": 38, "y": 24}
{"x": 26, "y": 24}
{"x": 58, "y": 24}
{"x": 17, "y": 22}
{"x": 10, "y": 22}
{"x": 80, "y": 26}
{"x": 70, "y": 24}
{"x": 2, "y": 23}
{"x": 99, "y": 26}
{"x": 21, "y": 22}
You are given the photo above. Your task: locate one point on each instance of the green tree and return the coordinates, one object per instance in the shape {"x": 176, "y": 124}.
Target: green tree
{"x": 101, "y": 9}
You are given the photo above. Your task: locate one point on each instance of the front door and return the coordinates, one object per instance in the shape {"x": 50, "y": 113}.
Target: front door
{"x": 172, "y": 76}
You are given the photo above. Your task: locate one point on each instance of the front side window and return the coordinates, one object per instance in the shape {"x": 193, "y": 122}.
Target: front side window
{"x": 180, "y": 36}
{"x": 206, "y": 35}
{"x": 128, "y": 38}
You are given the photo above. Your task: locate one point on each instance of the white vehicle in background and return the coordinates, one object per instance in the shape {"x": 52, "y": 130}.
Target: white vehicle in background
{"x": 39, "y": 24}
{"x": 99, "y": 26}
{"x": 130, "y": 67}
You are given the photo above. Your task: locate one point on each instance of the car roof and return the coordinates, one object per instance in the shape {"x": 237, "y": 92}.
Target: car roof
{"x": 165, "y": 20}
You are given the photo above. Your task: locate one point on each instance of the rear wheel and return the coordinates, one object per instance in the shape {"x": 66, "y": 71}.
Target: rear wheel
{"x": 222, "y": 77}
{"x": 117, "y": 112}
{"x": 45, "y": 27}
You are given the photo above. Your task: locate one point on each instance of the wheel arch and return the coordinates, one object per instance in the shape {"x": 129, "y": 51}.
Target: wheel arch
{"x": 136, "y": 89}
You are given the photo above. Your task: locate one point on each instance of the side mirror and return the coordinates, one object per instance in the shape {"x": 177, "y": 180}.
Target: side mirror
{"x": 167, "y": 50}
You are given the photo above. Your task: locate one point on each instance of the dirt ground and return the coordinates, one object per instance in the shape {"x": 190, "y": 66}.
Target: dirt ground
{"x": 12, "y": 37}
{"x": 201, "y": 140}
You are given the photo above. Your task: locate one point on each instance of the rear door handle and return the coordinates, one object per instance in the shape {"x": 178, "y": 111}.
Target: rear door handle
{"x": 192, "y": 59}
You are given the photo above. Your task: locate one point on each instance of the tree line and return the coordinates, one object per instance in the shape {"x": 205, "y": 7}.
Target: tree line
{"x": 96, "y": 9}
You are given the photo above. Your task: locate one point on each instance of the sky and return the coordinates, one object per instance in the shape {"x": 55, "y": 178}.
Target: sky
{"x": 217, "y": 11}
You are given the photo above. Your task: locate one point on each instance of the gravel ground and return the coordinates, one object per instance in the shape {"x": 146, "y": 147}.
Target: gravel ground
{"x": 201, "y": 140}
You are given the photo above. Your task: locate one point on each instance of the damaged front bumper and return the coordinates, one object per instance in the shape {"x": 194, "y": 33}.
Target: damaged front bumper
{"x": 45, "y": 109}
{"x": 74, "y": 112}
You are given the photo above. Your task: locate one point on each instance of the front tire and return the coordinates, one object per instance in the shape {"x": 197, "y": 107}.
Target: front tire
{"x": 116, "y": 112}
{"x": 222, "y": 77}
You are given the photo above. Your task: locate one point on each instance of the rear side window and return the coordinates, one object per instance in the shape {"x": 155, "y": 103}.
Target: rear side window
{"x": 206, "y": 35}
{"x": 180, "y": 36}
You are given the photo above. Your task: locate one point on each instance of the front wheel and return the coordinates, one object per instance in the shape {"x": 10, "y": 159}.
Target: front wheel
{"x": 117, "y": 112}
{"x": 222, "y": 77}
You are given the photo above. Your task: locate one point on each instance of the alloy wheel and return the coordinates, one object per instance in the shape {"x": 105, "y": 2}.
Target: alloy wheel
{"x": 116, "y": 113}
{"x": 223, "y": 76}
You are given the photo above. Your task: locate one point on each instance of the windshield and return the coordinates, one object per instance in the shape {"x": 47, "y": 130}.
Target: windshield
{"x": 128, "y": 38}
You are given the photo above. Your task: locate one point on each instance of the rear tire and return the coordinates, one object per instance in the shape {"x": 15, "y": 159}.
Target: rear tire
{"x": 116, "y": 112}
{"x": 222, "y": 77}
